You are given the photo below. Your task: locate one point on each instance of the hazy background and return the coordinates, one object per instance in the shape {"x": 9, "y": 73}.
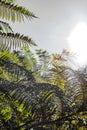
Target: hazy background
{"x": 56, "y": 20}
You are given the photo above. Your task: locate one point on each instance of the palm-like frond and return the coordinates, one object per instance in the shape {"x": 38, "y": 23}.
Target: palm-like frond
{"x": 25, "y": 77}
{"x": 14, "y": 12}
{"x": 31, "y": 93}
{"x": 9, "y": 111}
{"x": 13, "y": 41}
{"x": 82, "y": 74}
{"x": 26, "y": 85}
{"x": 43, "y": 100}
{"x": 5, "y": 28}
{"x": 73, "y": 89}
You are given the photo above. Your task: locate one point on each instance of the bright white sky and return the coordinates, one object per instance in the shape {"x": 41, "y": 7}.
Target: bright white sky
{"x": 57, "y": 19}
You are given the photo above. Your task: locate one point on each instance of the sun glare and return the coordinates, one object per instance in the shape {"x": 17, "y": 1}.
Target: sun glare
{"x": 78, "y": 42}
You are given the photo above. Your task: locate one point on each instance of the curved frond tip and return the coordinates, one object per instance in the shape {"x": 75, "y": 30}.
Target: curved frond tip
{"x": 5, "y": 28}
{"x": 14, "y": 12}
{"x": 14, "y": 41}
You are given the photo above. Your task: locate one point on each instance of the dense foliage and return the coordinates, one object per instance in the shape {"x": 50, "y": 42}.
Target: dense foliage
{"x": 42, "y": 93}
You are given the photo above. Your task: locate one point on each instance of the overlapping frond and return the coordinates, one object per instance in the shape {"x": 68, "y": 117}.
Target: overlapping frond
{"x": 44, "y": 101}
{"x": 82, "y": 74}
{"x": 14, "y": 12}
{"x": 28, "y": 86}
{"x": 6, "y": 57}
{"x": 72, "y": 84}
{"x": 9, "y": 111}
{"x": 32, "y": 93}
{"x": 74, "y": 88}
{"x": 14, "y": 41}
{"x": 22, "y": 98}
{"x": 5, "y": 27}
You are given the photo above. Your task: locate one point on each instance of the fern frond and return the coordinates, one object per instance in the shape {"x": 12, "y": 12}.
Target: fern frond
{"x": 26, "y": 78}
{"x": 14, "y": 41}
{"x": 73, "y": 89}
{"x": 32, "y": 92}
{"x": 9, "y": 1}
{"x": 5, "y": 27}
{"x": 5, "y": 56}
{"x": 14, "y": 12}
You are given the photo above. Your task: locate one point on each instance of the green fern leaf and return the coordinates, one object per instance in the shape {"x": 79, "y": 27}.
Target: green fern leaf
{"x": 5, "y": 28}
{"x": 11, "y": 41}
{"x": 14, "y": 12}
